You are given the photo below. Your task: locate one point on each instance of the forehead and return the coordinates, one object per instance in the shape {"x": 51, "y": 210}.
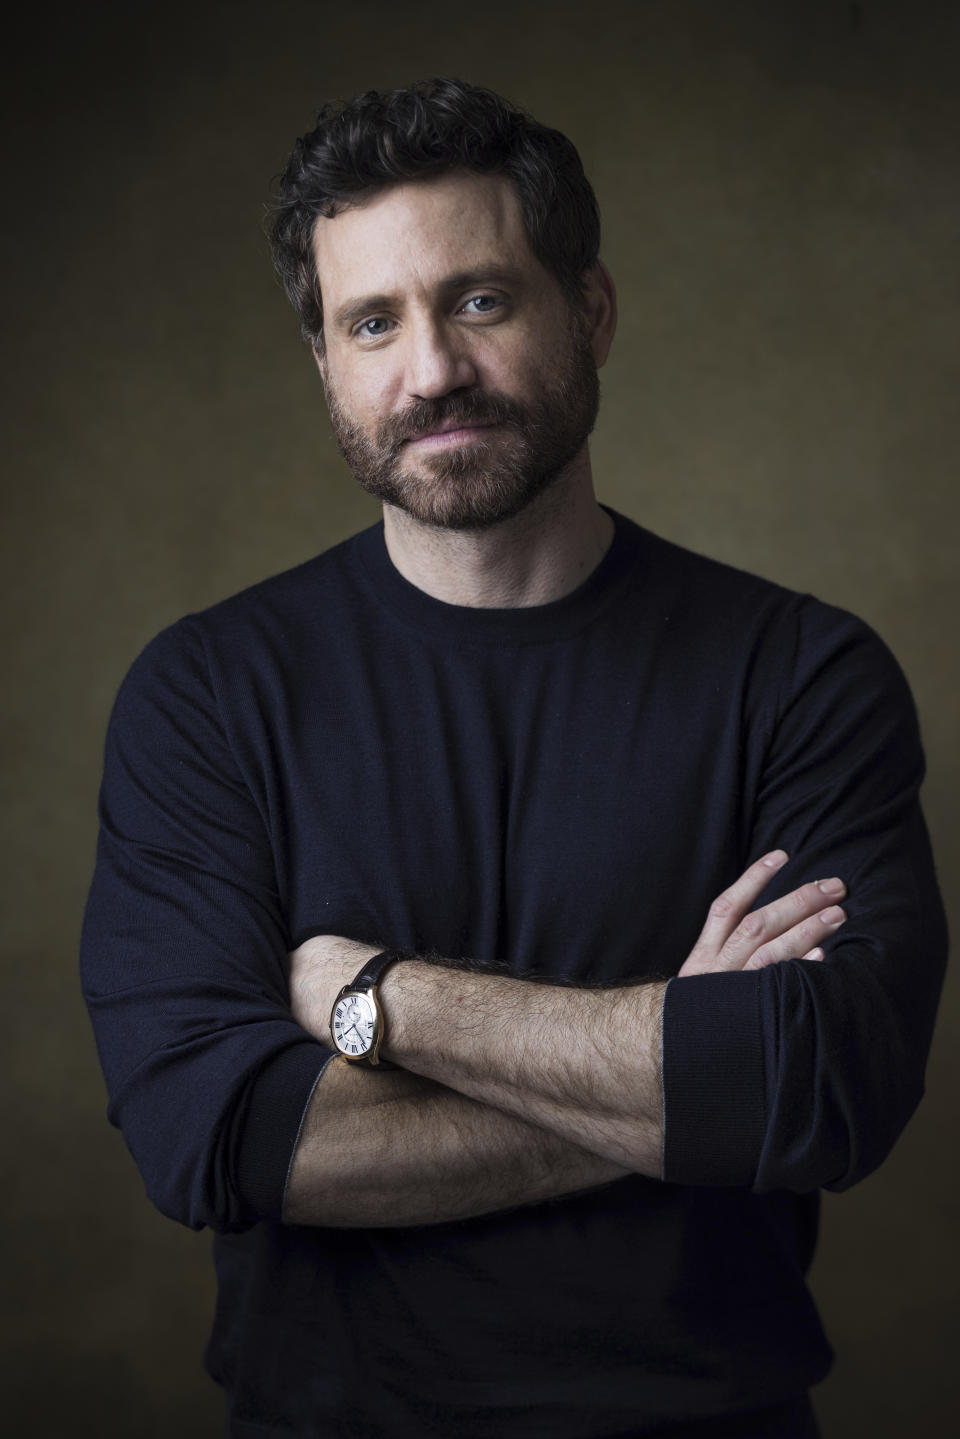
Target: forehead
{"x": 411, "y": 235}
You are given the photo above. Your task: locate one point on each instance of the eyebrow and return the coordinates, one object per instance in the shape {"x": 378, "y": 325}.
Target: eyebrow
{"x": 353, "y": 310}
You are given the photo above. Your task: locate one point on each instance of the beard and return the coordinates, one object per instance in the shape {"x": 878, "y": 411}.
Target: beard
{"x": 484, "y": 482}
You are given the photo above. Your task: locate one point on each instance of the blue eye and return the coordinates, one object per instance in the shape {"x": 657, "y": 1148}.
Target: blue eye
{"x": 489, "y": 303}
{"x": 374, "y": 334}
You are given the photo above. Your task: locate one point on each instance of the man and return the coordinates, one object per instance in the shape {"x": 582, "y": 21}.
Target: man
{"x": 525, "y": 1136}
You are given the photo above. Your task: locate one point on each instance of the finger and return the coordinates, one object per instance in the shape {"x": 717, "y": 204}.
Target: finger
{"x": 772, "y": 921}
{"x": 729, "y": 908}
{"x": 801, "y": 942}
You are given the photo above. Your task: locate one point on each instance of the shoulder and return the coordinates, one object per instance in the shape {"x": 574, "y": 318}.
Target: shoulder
{"x": 315, "y": 590}
{"x": 731, "y": 634}
{"x": 716, "y": 598}
{"x": 277, "y": 616}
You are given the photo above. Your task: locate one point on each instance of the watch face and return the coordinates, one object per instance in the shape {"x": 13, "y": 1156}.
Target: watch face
{"x": 354, "y": 1024}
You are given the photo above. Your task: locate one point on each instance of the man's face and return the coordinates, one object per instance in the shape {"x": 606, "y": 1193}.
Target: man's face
{"x": 460, "y": 380}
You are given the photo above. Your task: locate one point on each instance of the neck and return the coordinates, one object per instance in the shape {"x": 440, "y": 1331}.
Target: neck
{"x": 540, "y": 555}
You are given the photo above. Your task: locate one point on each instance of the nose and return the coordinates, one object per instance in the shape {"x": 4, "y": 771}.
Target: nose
{"x": 438, "y": 361}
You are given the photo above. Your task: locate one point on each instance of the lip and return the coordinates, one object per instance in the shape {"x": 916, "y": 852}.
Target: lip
{"x": 456, "y": 435}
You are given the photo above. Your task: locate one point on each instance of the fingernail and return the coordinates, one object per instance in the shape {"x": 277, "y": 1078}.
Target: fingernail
{"x": 816, "y": 953}
{"x": 775, "y": 858}
{"x": 831, "y": 886}
{"x": 833, "y": 915}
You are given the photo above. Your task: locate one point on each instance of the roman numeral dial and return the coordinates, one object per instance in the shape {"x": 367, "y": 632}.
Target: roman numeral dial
{"x": 354, "y": 1024}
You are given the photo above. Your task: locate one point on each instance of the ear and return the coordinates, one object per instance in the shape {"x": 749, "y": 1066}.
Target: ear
{"x": 600, "y": 311}
{"x": 320, "y": 356}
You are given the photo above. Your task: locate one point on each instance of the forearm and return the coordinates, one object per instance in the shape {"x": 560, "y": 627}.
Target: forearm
{"x": 583, "y": 1064}
{"x": 398, "y": 1149}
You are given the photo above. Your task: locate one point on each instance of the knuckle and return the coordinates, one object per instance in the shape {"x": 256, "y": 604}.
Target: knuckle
{"x": 801, "y": 899}
{"x": 751, "y": 926}
{"x": 722, "y": 907}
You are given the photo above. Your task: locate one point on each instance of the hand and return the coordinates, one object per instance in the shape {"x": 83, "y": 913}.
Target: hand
{"x": 319, "y": 969}
{"x": 737, "y": 937}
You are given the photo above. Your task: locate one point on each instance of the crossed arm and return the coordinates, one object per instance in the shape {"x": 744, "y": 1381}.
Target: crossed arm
{"x": 508, "y": 1092}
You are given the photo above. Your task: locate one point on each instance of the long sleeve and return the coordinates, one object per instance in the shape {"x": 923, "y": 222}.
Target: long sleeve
{"x": 803, "y": 1074}
{"x": 184, "y": 955}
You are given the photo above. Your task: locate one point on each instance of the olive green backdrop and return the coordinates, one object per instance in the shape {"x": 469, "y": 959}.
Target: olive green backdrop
{"x": 779, "y": 185}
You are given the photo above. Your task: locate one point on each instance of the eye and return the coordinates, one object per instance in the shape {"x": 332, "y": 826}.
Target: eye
{"x": 485, "y": 304}
{"x": 374, "y": 328}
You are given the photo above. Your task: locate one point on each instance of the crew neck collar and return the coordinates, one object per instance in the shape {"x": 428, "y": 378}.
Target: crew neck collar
{"x": 528, "y": 624}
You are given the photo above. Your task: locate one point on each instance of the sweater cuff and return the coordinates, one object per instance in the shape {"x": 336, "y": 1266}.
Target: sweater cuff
{"x": 277, "y": 1102}
{"x": 713, "y": 1079}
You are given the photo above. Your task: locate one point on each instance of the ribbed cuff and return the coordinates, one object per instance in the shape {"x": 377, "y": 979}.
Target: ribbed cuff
{"x": 275, "y": 1108}
{"x": 713, "y": 1081}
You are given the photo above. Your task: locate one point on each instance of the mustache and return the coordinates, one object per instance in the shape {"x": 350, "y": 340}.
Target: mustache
{"x": 425, "y": 416}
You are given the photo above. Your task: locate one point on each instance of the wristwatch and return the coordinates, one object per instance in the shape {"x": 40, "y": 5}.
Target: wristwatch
{"x": 356, "y": 1020}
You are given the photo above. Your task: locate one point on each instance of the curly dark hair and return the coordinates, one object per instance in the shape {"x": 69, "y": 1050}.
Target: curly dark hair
{"x": 427, "y": 129}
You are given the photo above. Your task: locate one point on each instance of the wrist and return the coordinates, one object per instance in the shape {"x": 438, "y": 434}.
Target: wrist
{"x": 319, "y": 969}
{"x": 398, "y": 1000}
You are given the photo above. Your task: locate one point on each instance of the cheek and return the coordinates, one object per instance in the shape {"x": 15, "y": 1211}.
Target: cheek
{"x": 380, "y": 391}
{"x": 505, "y": 369}
{"x": 365, "y": 394}
{"x": 521, "y": 365}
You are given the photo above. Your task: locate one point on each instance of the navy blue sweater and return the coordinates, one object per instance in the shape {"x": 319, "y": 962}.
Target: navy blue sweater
{"x": 561, "y": 789}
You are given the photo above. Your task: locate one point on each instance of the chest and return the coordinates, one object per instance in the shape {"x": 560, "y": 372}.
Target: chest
{"x": 567, "y": 810}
